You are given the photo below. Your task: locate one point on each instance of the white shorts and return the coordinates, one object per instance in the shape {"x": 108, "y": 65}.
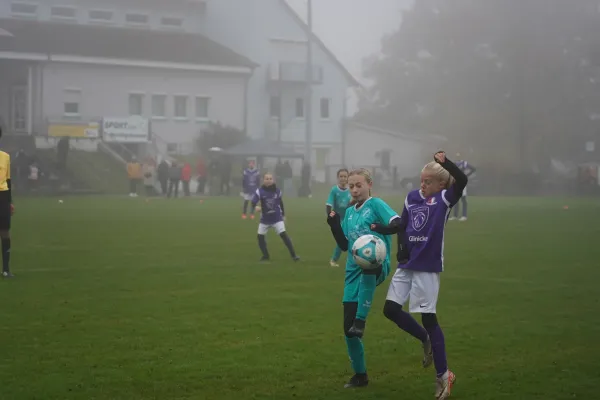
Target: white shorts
{"x": 421, "y": 287}
{"x": 278, "y": 226}
{"x": 464, "y": 192}
{"x": 247, "y": 196}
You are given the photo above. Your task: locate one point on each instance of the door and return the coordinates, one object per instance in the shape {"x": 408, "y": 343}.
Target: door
{"x": 18, "y": 109}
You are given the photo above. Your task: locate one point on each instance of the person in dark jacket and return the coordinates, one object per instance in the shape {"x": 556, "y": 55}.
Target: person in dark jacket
{"x": 162, "y": 173}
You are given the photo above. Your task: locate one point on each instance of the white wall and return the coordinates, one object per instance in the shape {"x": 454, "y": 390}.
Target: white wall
{"x": 105, "y": 92}
{"x": 247, "y": 27}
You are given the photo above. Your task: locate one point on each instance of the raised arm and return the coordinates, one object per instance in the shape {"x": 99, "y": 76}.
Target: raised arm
{"x": 460, "y": 178}
{"x": 333, "y": 219}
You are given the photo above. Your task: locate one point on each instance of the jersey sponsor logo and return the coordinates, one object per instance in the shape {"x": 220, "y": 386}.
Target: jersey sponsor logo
{"x": 419, "y": 217}
{"x": 418, "y": 238}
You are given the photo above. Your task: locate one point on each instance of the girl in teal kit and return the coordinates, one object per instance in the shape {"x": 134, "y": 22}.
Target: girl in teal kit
{"x": 339, "y": 199}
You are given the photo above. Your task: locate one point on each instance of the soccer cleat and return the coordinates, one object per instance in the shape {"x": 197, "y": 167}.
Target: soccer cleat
{"x": 265, "y": 259}
{"x": 296, "y": 258}
{"x": 333, "y": 264}
{"x": 7, "y": 275}
{"x": 444, "y": 385}
{"x": 427, "y": 353}
{"x": 244, "y": 216}
{"x": 358, "y": 380}
{"x": 463, "y": 219}
{"x": 357, "y": 329}
{"x": 451, "y": 218}
{"x": 252, "y": 216}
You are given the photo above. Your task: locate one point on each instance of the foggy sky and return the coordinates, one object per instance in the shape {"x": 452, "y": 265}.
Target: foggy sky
{"x": 352, "y": 29}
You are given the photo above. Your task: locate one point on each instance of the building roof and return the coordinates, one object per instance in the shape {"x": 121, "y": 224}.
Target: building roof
{"x": 407, "y": 136}
{"x": 320, "y": 43}
{"x": 116, "y": 43}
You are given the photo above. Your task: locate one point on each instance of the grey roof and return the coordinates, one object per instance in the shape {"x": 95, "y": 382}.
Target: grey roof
{"x": 113, "y": 42}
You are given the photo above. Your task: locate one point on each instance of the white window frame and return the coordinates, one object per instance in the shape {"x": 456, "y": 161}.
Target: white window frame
{"x": 166, "y": 98}
{"x": 62, "y": 17}
{"x": 65, "y": 102}
{"x": 329, "y": 102}
{"x": 187, "y": 106}
{"x": 134, "y": 93}
{"x": 175, "y": 27}
{"x": 208, "y": 101}
{"x": 130, "y": 23}
{"x": 110, "y": 21}
{"x": 22, "y": 14}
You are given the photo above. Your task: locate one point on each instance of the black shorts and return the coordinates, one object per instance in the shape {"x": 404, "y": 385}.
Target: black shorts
{"x": 5, "y": 216}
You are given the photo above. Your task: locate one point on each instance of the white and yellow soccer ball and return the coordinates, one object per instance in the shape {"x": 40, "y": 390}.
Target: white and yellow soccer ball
{"x": 369, "y": 252}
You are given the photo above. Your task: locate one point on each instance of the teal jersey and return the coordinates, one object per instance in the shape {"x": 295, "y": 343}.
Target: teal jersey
{"x": 339, "y": 199}
{"x": 357, "y": 223}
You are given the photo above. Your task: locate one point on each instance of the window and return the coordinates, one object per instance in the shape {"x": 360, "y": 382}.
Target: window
{"x": 274, "y": 107}
{"x": 325, "y": 104}
{"x": 63, "y": 12}
{"x": 171, "y": 22}
{"x": 72, "y": 102}
{"x": 159, "y": 105}
{"x": 202, "y": 104}
{"x": 181, "y": 106}
{"x": 27, "y": 9}
{"x": 137, "y": 19}
{"x": 299, "y": 107}
{"x": 101, "y": 16}
{"x": 136, "y": 104}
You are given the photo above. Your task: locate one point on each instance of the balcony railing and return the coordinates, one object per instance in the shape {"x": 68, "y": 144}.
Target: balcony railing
{"x": 292, "y": 72}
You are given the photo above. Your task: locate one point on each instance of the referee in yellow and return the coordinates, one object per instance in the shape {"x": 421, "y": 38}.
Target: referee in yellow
{"x": 6, "y": 211}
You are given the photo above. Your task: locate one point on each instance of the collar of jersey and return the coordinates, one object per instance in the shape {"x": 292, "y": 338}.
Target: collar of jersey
{"x": 361, "y": 206}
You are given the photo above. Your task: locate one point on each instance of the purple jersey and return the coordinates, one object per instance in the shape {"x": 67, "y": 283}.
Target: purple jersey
{"x": 270, "y": 203}
{"x": 426, "y": 219}
{"x": 251, "y": 180}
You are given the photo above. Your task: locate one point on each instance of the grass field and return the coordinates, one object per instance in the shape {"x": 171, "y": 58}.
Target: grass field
{"x": 117, "y": 298}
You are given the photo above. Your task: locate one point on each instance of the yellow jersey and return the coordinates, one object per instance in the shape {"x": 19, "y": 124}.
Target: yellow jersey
{"x": 4, "y": 171}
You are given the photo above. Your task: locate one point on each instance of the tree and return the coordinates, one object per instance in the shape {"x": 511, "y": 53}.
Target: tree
{"x": 218, "y": 135}
{"x": 508, "y": 78}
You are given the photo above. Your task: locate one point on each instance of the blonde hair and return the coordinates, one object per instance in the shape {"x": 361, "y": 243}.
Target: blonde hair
{"x": 364, "y": 173}
{"x": 439, "y": 172}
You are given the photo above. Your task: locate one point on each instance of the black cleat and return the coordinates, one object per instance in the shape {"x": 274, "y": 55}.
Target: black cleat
{"x": 264, "y": 259}
{"x": 357, "y": 329}
{"x": 358, "y": 380}
{"x": 296, "y": 258}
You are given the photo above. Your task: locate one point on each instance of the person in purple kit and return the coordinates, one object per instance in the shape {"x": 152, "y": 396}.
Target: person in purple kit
{"x": 421, "y": 232}
{"x": 273, "y": 216}
{"x": 250, "y": 182}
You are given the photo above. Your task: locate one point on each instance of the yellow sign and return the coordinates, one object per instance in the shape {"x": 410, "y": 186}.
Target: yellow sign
{"x": 77, "y": 131}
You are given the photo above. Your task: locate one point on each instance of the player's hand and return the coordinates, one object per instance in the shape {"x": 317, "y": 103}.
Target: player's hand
{"x": 257, "y": 208}
{"x": 283, "y": 218}
{"x": 12, "y": 209}
{"x": 377, "y": 228}
{"x": 333, "y": 219}
{"x": 440, "y": 157}
{"x": 402, "y": 255}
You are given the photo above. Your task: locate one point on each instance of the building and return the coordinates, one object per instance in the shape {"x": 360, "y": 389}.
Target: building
{"x": 70, "y": 62}
{"x": 271, "y": 33}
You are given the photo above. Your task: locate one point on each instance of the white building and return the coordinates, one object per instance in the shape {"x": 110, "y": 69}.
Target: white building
{"x": 68, "y": 62}
{"x": 271, "y": 34}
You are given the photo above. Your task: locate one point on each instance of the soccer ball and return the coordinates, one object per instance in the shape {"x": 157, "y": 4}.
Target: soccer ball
{"x": 369, "y": 252}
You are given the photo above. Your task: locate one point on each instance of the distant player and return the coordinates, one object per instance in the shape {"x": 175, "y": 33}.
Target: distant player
{"x": 359, "y": 286}
{"x": 273, "y": 216}
{"x": 250, "y": 182}
{"x": 422, "y": 229}
{"x": 6, "y": 211}
{"x": 338, "y": 201}
{"x": 468, "y": 170}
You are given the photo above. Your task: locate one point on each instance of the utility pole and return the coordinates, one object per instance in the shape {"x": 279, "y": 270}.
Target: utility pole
{"x": 309, "y": 82}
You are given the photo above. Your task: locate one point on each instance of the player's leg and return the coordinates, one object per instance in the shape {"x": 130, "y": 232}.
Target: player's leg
{"x": 262, "y": 241}
{"x": 424, "y": 296}
{"x": 464, "y": 203}
{"x": 398, "y": 293}
{"x": 354, "y": 344}
{"x": 337, "y": 253}
{"x": 245, "y": 208}
{"x": 280, "y": 229}
{"x": 5, "y": 220}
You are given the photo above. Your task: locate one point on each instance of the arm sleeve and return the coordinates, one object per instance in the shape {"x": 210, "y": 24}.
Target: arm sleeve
{"x": 331, "y": 199}
{"x": 385, "y": 212}
{"x": 454, "y": 193}
{"x": 255, "y": 198}
{"x": 8, "y": 181}
{"x": 328, "y": 208}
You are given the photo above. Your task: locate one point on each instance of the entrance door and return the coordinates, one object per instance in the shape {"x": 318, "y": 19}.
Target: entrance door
{"x": 18, "y": 108}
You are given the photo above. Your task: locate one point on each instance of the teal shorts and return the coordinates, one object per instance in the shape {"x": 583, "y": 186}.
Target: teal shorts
{"x": 354, "y": 277}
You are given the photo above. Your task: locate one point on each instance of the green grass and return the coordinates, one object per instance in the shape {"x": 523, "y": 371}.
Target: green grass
{"x": 117, "y": 298}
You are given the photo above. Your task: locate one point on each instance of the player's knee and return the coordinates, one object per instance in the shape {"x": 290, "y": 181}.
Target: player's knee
{"x": 391, "y": 309}
{"x": 429, "y": 321}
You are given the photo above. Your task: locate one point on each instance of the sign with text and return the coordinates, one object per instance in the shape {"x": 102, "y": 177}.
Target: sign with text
{"x": 126, "y": 130}
{"x": 89, "y": 131}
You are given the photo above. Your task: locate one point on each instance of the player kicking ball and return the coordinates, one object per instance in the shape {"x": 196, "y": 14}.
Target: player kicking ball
{"x": 272, "y": 216}
{"x": 418, "y": 278}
